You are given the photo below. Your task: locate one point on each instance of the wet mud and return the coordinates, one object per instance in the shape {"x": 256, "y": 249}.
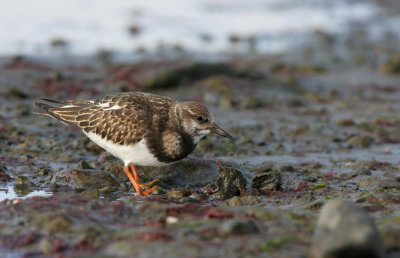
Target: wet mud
{"x": 305, "y": 135}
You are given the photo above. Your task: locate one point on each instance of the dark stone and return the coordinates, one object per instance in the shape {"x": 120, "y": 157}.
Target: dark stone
{"x": 362, "y": 172}
{"x": 43, "y": 171}
{"x": 266, "y": 182}
{"x": 311, "y": 179}
{"x": 239, "y": 227}
{"x": 83, "y": 164}
{"x": 230, "y": 182}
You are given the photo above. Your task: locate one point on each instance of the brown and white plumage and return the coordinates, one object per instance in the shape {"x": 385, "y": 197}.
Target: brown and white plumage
{"x": 139, "y": 128}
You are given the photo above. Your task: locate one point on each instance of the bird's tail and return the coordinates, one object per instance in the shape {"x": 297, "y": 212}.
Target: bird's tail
{"x": 47, "y": 109}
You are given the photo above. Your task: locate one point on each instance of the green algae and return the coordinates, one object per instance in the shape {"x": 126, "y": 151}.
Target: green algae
{"x": 317, "y": 186}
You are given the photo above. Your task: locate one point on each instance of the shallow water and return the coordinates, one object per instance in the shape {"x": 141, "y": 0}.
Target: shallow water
{"x": 10, "y": 192}
{"x": 278, "y": 24}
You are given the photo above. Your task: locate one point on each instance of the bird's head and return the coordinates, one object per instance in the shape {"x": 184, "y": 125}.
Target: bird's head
{"x": 198, "y": 121}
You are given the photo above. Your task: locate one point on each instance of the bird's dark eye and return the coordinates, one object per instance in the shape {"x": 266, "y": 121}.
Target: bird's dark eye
{"x": 199, "y": 118}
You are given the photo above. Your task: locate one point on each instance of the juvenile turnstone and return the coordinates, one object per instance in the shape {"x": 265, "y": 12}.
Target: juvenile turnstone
{"x": 138, "y": 128}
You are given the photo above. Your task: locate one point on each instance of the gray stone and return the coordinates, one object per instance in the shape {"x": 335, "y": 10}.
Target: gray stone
{"x": 362, "y": 172}
{"x": 88, "y": 178}
{"x": 344, "y": 230}
{"x": 390, "y": 184}
{"x": 239, "y": 227}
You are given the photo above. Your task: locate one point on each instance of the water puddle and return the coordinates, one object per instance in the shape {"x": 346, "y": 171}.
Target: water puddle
{"x": 10, "y": 192}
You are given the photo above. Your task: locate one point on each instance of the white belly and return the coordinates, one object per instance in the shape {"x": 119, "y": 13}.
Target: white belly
{"x": 137, "y": 154}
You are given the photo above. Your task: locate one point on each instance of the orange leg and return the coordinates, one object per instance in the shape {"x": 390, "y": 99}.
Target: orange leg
{"x": 145, "y": 186}
{"x": 133, "y": 181}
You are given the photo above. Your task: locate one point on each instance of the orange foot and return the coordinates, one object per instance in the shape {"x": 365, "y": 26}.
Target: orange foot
{"x": 141, "y": 188}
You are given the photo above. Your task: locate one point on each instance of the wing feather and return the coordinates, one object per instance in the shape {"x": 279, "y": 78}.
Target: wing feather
{"x": 120, "y": 118}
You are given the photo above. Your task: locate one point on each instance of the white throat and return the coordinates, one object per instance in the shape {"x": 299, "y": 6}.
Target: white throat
{"x": 200, "y": 136}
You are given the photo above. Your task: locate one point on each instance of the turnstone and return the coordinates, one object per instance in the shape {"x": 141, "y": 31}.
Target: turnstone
{"x": 138, "y": 128}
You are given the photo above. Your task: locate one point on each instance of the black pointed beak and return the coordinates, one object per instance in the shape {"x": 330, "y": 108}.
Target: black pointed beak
{"x": 218, "y": 130}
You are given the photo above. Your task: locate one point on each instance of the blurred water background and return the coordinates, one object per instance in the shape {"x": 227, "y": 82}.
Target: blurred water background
{"x": 49, "y": 27}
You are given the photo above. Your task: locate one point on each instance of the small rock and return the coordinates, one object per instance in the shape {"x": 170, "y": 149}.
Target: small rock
{"x": 83, "y": 164}
{"x": 285, "y": 168}
{"x": 13, "y": 92}
{"x": 108, "y": 189}
{"x": 88, "y": 178}
{"x": 178, "y": 193}
{"x": 91, "y": 193}
{"x": 377, "y": 182}
{"x": 362, "y": 141}
{"x": 23, "y": 181}
{"x": 311, "y": 179}
{"x": 362, "y": 172}
{"x": 239, "y": 227}
{"x": 265, "y": 167}
{"x": 198, "y": 197}
{"x": 187, "y": 199}
{"x": 158, "y": 190}
{"x": 390, "y": 184}
{"x": 43, "y": 171}
{"x": 230, "y": 182}
{"x": 346, "y": 176}
{"x": 345, "y": 122}
{"x": 294, "y": 103}
{"x": 253, "y": 103}
{"x": 27, "y": 157}
{"x": 267, "y": 182}
{"x": 344, "y": 230}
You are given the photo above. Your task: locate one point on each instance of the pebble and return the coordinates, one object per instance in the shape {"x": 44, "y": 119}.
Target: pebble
{"x": 178, "y": 193}
{"x": 43, "y": 171}
{"x": 239, "y": 227}
{"x": 83, "y": 164}
{"x": 266, "y": 182}
{"x": 230, "y": 182}
{"x": 362, "y": 172}
{"x": 311, "y": 179}
{"x": 23, "y": 181}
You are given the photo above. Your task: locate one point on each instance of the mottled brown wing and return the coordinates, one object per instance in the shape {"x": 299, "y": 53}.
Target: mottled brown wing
{"x": 122, "y": 119}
